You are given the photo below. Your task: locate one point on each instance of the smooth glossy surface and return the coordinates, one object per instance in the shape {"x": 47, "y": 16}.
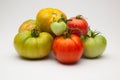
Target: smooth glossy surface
{"x": 94, "y": 47}
{"x": 58, "y": 28}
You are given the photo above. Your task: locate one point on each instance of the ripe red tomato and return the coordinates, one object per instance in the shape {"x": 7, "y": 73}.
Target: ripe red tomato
{"x": 78, "y": 24}
{"x": 68, "y": 50}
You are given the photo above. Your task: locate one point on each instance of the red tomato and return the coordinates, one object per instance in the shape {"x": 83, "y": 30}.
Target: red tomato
{"x": 78, "y": 25}
{"x": 68, "y": 50}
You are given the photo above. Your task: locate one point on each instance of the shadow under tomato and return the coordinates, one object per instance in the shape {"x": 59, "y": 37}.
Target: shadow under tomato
{"x": 69, "y": 64}
{"x": 79, "y": 62}
{"x": 45, "y": 58}
{"x": 49, "y": 57}
{"x": 96, "y": 58}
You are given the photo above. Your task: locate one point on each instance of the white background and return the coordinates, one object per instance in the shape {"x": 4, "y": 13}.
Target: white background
{"x": 102, "y": 15}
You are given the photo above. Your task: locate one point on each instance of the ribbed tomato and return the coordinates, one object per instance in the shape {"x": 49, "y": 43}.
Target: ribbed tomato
{"x": 33, "y": 44}
{"x": 68, "y": 50}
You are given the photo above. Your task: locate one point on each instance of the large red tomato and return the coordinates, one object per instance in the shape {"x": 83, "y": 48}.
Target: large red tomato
{"x": 68, "y": 50}
{"x": 78, "y": 25}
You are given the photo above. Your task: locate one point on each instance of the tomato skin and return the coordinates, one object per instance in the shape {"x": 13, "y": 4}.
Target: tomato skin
{"x": 94, "y": 47}
{"x": 46, "y": 16}
{"x": 68, "y": 50}
{"x": 80, "y": 24}
{"x": 58, "y": 28}
{"x": 29, "y": 25}
{"x": 31, "y": 47}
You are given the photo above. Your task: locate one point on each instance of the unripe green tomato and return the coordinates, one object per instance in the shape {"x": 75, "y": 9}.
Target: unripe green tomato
{"x": 94, "y": 46}
{"x": 58, "y": 28}
{"x": 32, "y": 44}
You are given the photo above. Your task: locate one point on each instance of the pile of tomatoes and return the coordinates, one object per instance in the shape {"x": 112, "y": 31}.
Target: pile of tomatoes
{"x": 69, "y": 39}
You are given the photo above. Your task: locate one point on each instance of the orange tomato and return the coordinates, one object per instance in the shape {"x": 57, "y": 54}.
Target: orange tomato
{"x": 48, "y": 15}
{"x": 29, "y": 25}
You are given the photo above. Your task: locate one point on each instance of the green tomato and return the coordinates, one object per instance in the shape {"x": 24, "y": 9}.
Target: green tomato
{"x": 32, "y": 44}
{"x": 94, "y": 45}
{"x": 58, "y": 28}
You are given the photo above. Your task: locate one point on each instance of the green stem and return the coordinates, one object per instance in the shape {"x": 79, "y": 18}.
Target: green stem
{"x": 68, "y": 20}
{"x": 35, "y": 33}
{"x": 62, "y": 18}
{"x": 95, "y": 34}
{"x": 92, "y": 33}
{"x": 67, "y": 35}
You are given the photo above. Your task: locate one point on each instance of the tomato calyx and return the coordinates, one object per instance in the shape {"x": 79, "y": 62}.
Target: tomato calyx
{"x": 35, "y": 33}
{"x": 66, "y": 20}
{"x": 79, "y": 17}
{"x": 62, "y": 19}
{"x": 92, "y": 33}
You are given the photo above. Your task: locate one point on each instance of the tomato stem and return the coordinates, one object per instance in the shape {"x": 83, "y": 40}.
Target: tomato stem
{"x": 81, "y": 32}
{"x": 79, "y": 17}
{"x": 95, "y": 33}
{"x": 92, "y": 33}
{"x": 62, "y": 18}
{"x": 68, "y": 20}
{"x": 67, "y": 34}
{"x": 35, "y": 33}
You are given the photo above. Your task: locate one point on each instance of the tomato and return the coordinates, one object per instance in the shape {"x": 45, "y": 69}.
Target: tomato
{"x": 29, "y": 25}
{"x": 48, "y": 15}
{"x": 32, "y": 44}
{"x": 79, "y": 25}
{"x": 58, "y": 28}
{"x": 68, "y": 50}
{"x": 94, "y": 44}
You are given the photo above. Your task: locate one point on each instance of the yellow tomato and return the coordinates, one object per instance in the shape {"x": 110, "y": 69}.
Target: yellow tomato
{"x": 48, "y": 15}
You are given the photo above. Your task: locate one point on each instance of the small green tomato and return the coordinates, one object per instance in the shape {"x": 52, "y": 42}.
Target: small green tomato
{"x": 58, "y": 28}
